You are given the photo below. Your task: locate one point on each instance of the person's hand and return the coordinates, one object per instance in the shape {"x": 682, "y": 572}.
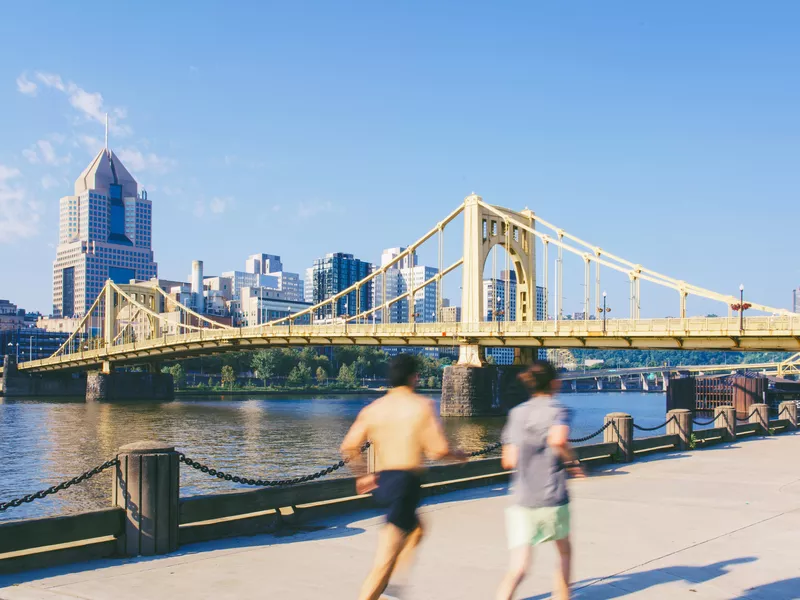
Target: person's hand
{"x": 575, "y": 470}
{"x": 366, "y": 483}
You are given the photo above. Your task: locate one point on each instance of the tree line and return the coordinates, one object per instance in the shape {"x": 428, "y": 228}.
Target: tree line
{"x": 342, "y": 367}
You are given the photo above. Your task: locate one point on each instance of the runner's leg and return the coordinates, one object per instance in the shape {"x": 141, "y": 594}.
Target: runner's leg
{"x": 520, "y": 558}
{"x": 561, "y": 587}
{"x": 391, "y": 542}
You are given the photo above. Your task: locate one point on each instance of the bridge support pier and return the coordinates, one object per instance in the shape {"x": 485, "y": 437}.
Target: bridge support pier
{"x": 108, "y": 387}
{"x": 469, "y": 391}
{"x": 21, "y": 384}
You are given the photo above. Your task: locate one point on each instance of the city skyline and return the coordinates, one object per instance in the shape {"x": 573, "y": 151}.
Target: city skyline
{"x": 666, "y": 166}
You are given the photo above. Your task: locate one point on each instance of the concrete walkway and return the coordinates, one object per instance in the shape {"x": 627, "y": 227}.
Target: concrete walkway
{"x": 721, "y": 523}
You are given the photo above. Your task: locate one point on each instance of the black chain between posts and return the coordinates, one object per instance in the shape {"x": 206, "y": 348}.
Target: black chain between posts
{"x": 265, "y": 482}
{"x": 588, "y": 437}
{"x": 704, "y": 423}
{"x": 486, "y": 450}
{"x": 57, "y": 488}
{"x": 664, "y": 424}
{"x": 747, "y": 418}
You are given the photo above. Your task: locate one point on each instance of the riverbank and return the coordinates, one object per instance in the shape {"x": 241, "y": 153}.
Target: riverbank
{"x": 304, "y": 391}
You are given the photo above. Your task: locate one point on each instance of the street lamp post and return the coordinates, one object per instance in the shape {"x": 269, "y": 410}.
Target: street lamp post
{"x": 604, "y": 310}
{"x": 741, "y": 307}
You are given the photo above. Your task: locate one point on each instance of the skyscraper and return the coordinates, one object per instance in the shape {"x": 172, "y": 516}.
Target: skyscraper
{"x": 105, "y": 232}
{"x": 401, "y": 278}
{"x": 334, "y": 273}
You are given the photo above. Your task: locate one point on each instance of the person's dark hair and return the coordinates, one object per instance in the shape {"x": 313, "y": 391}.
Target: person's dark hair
{"x": 402, "y": 369}
{"x": 538, "y": 377}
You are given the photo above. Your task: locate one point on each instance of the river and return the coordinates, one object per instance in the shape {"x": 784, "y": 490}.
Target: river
{"x": 46, "y": 441}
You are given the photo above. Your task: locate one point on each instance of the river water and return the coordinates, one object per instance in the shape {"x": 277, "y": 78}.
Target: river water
{"x": 46, "y": 441}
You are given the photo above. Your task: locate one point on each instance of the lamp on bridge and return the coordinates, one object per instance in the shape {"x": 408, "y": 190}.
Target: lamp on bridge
{"x": 604, "y": 310}
{"x": 741, "y": 306}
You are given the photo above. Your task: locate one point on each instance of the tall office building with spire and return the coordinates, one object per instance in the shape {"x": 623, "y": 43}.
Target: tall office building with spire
{"x": 105, "y": 232}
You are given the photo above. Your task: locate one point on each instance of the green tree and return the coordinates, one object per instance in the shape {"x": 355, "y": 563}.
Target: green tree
{"x": 228, "y": 376}
{"x": 264, "y": 363}
{"x": 178, "y": 375}
{"x": 300, "y": 375}
{"x": 347, "y": 376}
{"x": 322, "y": 376}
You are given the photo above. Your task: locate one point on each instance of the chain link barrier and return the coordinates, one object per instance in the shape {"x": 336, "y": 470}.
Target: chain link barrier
{"x": 593, "y": 435}
{"x": 747, "y": 418}
{"x": 488, "y": 449}
{"x": 265, "y": 482}
{"x": 664, "y": 424}
{"x": 704, "y": 423}
{"x": 61, "y": 486}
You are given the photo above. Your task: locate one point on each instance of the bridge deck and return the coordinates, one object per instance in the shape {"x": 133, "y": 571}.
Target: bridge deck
{"x": 720, "y": 523}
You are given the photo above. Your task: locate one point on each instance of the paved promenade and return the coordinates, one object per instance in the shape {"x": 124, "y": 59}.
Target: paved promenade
{"x": 721, "y": 523}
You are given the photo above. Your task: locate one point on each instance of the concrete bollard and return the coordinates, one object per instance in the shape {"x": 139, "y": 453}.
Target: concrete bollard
{"x": 788, "y": 411}
{"x": 726, "y": 417}
{"x": 624, "y": 425}
{"x": 680, "y": 425}
{"x": 760, "y": 415}
{"x": 146, "y": 485}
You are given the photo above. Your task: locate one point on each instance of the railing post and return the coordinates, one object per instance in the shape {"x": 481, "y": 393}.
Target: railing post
{"x": 760, "y": 415}
{"x": 788, "y": 411}
{"x": 725, "y": 416}
{"x": 679, "y": 422}
{"x": 146, "y": 486}
{"x": 621, "y": 433}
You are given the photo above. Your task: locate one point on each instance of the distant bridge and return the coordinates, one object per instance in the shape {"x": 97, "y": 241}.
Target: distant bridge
{"x": 140, "y": 323}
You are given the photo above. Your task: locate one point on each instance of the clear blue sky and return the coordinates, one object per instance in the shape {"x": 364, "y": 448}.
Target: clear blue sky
{"x": 667, "y": 134}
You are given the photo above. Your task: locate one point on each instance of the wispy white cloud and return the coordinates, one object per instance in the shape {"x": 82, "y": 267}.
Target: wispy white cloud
{"x": 135, "y": 160}
{"x": 219, "y": 205}
{"x": 26, "y": 86}
{"x": 48, "y": 182}
{"x": 306, "y": 210}
{"x": 19, "y": 216}
{"x": 92, "y": 144}
{"x": 216, "y": 206}
{"x": 90, "y": 104}
{"x": 43, "y": 151}
{"x": 193, "y": 69}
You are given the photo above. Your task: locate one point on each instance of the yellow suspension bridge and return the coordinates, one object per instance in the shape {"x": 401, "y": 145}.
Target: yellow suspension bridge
{"x": 141, "y": 323}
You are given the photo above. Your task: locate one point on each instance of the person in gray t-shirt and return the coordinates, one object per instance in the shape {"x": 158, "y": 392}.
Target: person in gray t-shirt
{"x": 535, "y": 444}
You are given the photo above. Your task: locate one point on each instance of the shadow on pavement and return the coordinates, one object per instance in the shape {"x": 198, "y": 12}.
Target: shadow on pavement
{"x": 785, "y": 589}
{"x": 618, "y": 586}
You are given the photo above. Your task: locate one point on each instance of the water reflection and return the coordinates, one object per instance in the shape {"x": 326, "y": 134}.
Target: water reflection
{"x": 45, "y": 441}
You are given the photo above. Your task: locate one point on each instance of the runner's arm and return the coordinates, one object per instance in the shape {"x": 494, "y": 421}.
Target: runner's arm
{"x": 558, "y": 440}
{"x": 353, "y": 442}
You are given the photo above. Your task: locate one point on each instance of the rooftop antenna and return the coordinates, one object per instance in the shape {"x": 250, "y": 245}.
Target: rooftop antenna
{"x": 106, "y": 131}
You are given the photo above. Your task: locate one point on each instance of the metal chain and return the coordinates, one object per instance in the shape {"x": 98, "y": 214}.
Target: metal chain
{"x": 57, "y": 488}
{"x": 265, "y": 482}
{"x": 747, "y": 418}
{"x": 588, "y": 437}
{"x": 667, "y": 422}
{"x": 712, "y": 421}
{"x": 486, "y": 450}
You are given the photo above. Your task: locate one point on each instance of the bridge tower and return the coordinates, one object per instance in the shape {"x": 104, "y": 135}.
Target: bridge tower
{"x": 472, "y": 387}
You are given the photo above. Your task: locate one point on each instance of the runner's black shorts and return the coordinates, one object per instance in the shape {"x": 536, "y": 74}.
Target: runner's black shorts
{"x": 399, "y": 492}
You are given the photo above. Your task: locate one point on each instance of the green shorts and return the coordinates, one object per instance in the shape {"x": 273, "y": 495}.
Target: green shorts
{"x": 533, "y": 526}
